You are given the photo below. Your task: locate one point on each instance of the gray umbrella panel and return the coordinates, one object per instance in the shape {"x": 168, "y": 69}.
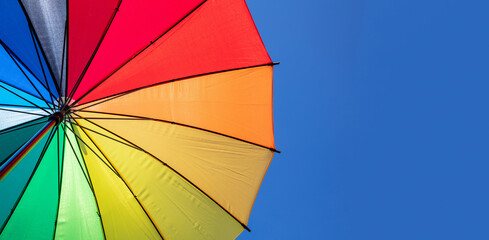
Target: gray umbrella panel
{"x": 48, "y": 18}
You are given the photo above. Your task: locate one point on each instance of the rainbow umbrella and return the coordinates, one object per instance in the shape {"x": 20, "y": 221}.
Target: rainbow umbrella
{"x": 130, "y": 119}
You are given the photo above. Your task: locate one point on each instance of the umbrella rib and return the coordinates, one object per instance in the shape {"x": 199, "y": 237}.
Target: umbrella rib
{"x": 178, "y": 173}
{"x": 14, "y": 158}
{"x": 67, "y": 50}
{"x": 11, "y": 129}
{"x": 62, "y": 163}
{"x": 36, "y": 37}
{"x": 30, "y": 94}
{"x": 60, "y": 180}
{"x": 127, "y": 185}
{"x": 137, "y": 54}
{"x": 19, "y": 62}
{"x": 73, "y": 123}
{"x": 15, "y": 59}
{"x": 117, "y": 95}
{"x": 113, "y": 139}
{"x": 134, "y": 117}
{"x": 84, "y": 143}
{"x": 18, "y": 106}
{"x": 30, "y": 81}
{"x": 79, "y": 163}
{"x": 17, "y": 111}
{"x": 42, "y": 67}
{"x": 51, "y": 133}
{"x": 72, "y": 92}
{"x": 27, "y": 100}
{"x": 91, "y": 188}
{"x": 62, "y": 67}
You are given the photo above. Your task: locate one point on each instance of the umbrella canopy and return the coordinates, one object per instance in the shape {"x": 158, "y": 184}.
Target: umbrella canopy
{"x": 129, "y": 119}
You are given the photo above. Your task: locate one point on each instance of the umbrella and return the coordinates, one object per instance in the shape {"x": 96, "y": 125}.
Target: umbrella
{"x": 128, "y": 119}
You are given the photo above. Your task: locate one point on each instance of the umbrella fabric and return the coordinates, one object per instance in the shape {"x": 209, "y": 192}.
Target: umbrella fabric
{"x": 127, "y": 119}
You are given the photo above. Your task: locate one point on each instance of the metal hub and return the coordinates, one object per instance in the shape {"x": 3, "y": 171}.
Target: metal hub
{"x": 57, "y": 116}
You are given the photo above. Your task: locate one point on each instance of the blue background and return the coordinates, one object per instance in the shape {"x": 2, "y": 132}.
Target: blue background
{"x": 381, "y": 115}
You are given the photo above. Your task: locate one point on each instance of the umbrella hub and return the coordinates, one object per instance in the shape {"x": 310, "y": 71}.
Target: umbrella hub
{"x": 57, "y": 116}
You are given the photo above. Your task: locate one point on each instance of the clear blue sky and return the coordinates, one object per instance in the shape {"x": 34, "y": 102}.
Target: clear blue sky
{"x": 381, "y": 115}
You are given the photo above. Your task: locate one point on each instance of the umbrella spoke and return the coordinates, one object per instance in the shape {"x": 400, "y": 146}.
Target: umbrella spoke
{"x": 18, "y": 89}
{"x": 17, "y": 106}
{"x": 22, "y": 136}
{"x": 61, "y": 159}
{"x": 128, "y": 187}
{"x": 67, "y": 33}
{"x": 23, "y": 150}
{"x": 51, "y": 134}
{"x": 17, "y": 111}
{"x": 135, "y": 55}
{"x": 117, "y": 95}
{"x": 113, "y": 139}
{"x": 60, "y": 175}
{"x": 35, "y": 39}
{"x": 14, "y": 59}
{"x": 171, "y": 168}
{"x": 75, "y": 195}
{"x": 89, "y": 180}
{"x": 40, "y": 62}
{"x": 133, "y": 117}
{"x": 35, "y": 105}
{"x": 79, "y": 163}
{"x": 21, "y": 64}
{"x": 84, "y": 143}
{"x": 12, "y": 129}
{"x": 63, "y": 66}
{"x": 94, "y": 52}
